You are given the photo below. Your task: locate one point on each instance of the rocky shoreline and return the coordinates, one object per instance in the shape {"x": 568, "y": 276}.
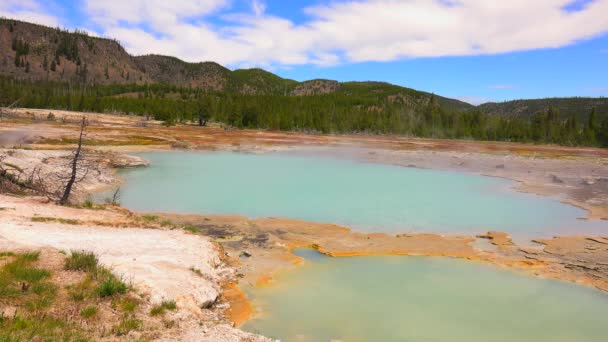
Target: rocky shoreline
{"x": 254, "y": 250}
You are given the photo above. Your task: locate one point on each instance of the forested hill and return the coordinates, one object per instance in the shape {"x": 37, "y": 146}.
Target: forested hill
{"x": 567, "y": 106}
{"x": 34, "y": 52}
{"x": 42, "y": 67}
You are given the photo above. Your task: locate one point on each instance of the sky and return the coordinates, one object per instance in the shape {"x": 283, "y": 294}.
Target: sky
{"x": 474, "y": 50}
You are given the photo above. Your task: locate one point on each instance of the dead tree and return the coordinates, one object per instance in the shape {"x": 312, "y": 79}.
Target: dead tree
{"x": 7, "y": 109}
{"x": 78, "y": 171}
{"x": 54, "y": 177}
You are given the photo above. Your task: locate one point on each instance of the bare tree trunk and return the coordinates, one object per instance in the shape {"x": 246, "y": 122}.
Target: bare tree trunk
{"x": 76, "y": 158}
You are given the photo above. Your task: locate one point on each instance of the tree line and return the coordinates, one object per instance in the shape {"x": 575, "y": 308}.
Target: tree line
{"x": 330, "y": 113}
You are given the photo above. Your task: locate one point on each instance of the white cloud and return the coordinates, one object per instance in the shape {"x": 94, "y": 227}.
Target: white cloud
{"x": 27, "y": 10}
{"x": 598, "y": 89}
{"x": 258, "y": 7}
{"x": 341, "y": 31}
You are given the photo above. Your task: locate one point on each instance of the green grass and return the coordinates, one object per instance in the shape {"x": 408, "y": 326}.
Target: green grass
{"x": 38, "y": 328}
{"x": 126, "y": 304}
{"x": 41, "y": 317}
{"x": 81, "y": 261}
{"x": 81, "y": 291}
{"x": 54, "y": 219}
{"x": 89, "y": 311}
{"x": 20, "y": 280}
{"x": 192, "y": 229}
{"x": 108, "y": 284}
{"x": 88, "y": 204}
{"x": 126, "y": 325}
{"x": 21, "y": 270}
{"x": 162, "y": 308}
{"x": 150, "y": 218}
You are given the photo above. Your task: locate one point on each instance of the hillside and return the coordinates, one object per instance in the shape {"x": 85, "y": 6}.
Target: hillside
{"x": 34, "y": 52}
{"x": 42, "y": 67}
{"x": 567, "y": 106}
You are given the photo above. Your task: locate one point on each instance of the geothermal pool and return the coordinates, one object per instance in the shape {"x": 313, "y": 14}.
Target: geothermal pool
{"x": 364, "y": 196}
{"x": 422, "y": 299}
{"x": 383, "y": 298}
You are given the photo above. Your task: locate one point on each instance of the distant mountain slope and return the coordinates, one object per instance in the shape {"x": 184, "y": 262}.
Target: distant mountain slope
{"x": 34, "y": 52}
{"x": 567, "y": 106}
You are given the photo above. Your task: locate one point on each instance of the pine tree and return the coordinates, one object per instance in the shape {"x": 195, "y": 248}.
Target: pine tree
{"x": 27, "y": 67}
{"x": 590, "y": 128}
{"x": 603, "y": 133}
{"x": 53, "y": 66}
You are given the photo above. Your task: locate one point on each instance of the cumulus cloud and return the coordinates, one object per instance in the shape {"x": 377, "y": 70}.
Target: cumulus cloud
{"x": 27, "y": 10}
{"x": 343, "y": 31}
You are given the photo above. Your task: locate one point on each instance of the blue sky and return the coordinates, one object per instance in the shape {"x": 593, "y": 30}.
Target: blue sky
{"x": 475, "y": 50}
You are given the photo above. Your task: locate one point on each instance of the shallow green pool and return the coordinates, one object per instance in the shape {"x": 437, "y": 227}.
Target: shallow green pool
{"x": 423, "y": 299}
{"x": 367, "y": 197}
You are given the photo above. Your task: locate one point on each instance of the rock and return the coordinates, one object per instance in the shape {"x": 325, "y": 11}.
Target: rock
{"x": 588, "y": 181}
{"x": 126, "y": 161}
{"x": 500, "y": 166}
{"x": 556, "y": 179}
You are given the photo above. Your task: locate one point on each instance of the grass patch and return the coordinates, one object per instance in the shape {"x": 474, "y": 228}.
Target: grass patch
{"x": 100, "y": 282}
{"x": 82, "y": 290}
{"x": 166, "y": 223}
{"x": 89, "y": 312}
{"x": 21, "y": 270}
{"x": 126, "y": 304}
{"x": 23, "y": 282}
{"x": 43, "y": 328}
{"x": 41, "y": 314}
{"x": 162, "y": 308}
{"x": 108, "y": 284}
{"x": 150, "y": 218}
{"x": 81, "y": 261}
{"x": 126, "y": 325}
{"x": 192, "y": 229}
{"x": 88, "y": 204}
{"x": 54, "y": 219}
